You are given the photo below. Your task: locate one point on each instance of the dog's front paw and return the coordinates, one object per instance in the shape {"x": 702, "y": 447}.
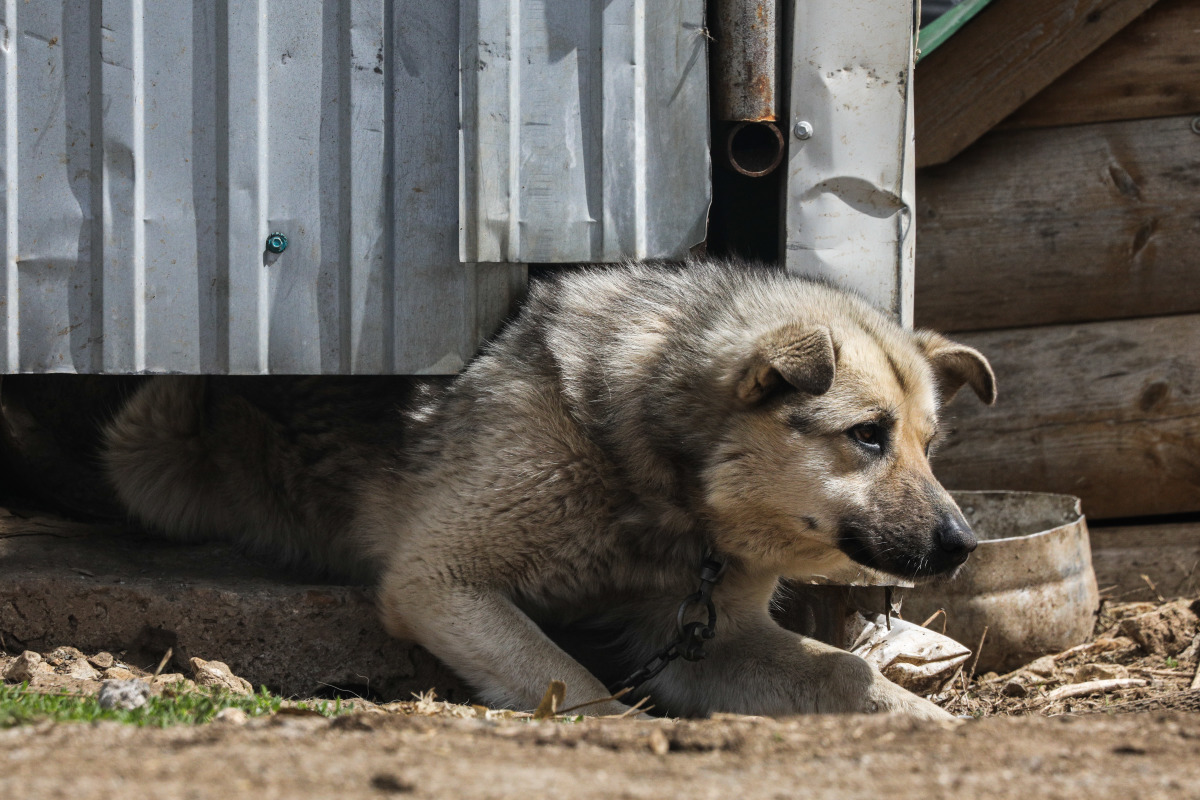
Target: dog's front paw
{"x": 886, "y": 697}
{"x": 854, "y": 686}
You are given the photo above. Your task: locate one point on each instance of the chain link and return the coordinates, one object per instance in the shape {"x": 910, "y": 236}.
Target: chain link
{"x": 689, "y": 643}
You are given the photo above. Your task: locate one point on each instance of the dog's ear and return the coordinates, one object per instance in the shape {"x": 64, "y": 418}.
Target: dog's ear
{"x": 801, "y": 357}
{"x": 956, "y": 364}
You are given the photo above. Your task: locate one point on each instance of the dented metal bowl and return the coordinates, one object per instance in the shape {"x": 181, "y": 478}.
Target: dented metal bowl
{"x": 1030, "y": 581}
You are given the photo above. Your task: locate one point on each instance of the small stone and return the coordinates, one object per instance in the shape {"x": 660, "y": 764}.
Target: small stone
{"x": 25, "y": 666}
{"x": 64, "y": 656}
{"x": 1166, "y": 630}
{"x": 83, "y": 671}
{"x": 232, "y": 716}
{"x": 659, "y": 744}
{"x": 126, "y": 695}
{"x": 217, "y": 674}
{"x": 118, "y": 674}
{"x": 1014, "y": 689}
{"x": 102, "y": 660}
{"x": 1099, "y": 672}
{"x": 1043, "y": 667}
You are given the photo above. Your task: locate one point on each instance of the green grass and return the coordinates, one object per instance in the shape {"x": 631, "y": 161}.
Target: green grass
{"x": 19, "y": 706}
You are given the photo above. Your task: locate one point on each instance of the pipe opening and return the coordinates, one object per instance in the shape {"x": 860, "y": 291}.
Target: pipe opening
{"x": 754, "y": 148}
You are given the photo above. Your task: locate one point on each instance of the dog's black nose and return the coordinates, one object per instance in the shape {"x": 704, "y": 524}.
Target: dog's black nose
{"x": 955, "y": 538}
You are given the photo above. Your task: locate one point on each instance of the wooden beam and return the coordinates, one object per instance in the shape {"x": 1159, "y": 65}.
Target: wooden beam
{"x": 1000, "y": 59}
{"x": 1149, "y": 69}
{"x": 1061, "y": 225}
{"x": 1107, "y": 411}
{"x": 1167, "y": 555}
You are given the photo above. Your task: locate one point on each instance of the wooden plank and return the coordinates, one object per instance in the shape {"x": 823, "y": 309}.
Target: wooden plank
{"x": 1107, "y": 411}
{"x": 1061, "y": 225}
{"x": 1149, "y": 69}
{"x": 1011, "y": 51}
{"x": 1168, "y": 555}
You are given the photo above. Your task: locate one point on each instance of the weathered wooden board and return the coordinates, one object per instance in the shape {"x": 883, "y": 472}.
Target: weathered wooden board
{"x": 1167, "y": 555}
{"x": 999, "y": 60}
{"x": 1061, "y": 224}
{"x": 1107, "y": 411}
{"x": 1150, "y": 69}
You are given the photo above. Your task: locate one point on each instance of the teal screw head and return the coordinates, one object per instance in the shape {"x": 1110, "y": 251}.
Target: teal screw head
{"x": 276, "y": 243}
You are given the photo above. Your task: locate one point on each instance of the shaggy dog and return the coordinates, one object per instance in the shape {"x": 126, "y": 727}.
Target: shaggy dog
{"x": 635, "y": 436}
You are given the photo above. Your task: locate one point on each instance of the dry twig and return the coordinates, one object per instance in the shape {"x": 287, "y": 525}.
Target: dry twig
{"x": 934, "y": 616}
{"x": 978, "y": 650}
{"x": 1090, "y": 687}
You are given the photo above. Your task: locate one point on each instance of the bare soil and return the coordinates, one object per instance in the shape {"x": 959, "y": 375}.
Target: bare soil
{"x": 1018, "y": 738}
{"x": 369, "y": 755}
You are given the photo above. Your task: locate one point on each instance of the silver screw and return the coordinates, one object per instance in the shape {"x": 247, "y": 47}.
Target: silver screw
{"x": 804, "y": 130}
{"x": 1195, "y": 124}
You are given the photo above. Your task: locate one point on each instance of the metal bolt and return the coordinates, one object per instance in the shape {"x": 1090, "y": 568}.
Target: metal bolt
{"x": 276, "y": 243}
{"x": 1195, "y": 124}
{"x": 802, "y": 130}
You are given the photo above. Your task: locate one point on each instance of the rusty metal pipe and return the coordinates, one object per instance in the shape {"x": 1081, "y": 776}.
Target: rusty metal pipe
{"x": 753, "y": 149}
{"x": 745, "y": 67}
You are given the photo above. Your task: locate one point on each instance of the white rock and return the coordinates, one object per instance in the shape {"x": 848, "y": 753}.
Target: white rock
{"x": 124, "y": 694}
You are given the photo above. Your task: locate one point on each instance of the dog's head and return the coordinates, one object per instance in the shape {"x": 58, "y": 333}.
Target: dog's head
{"x": 824, "y": 462}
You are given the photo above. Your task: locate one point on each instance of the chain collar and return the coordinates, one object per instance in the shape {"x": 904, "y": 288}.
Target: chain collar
{"x": 691, "y": 636}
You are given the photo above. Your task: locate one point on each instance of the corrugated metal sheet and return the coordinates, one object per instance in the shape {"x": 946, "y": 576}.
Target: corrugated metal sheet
{"x": 149, "y": 148}
{"x": 851, "y": 181}
{"x": 585, "y": 129}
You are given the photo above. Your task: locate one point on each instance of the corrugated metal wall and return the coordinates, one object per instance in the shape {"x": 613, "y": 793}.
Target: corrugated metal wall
{"x": 150, "y": 147}
{"x": 585, "y": 129}
{"x": 851, "y": 193}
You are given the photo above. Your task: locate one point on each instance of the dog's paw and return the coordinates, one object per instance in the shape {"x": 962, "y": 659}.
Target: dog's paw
{"x": 887, "y": 697}
{"x": 853, "y": 686}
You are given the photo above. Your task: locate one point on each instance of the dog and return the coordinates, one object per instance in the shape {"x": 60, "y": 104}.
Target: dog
{"x": 633, "y": 433}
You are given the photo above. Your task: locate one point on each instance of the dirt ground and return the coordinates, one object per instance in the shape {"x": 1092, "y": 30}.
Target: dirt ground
{"x": 1033, "y": 732}
{"x": 369, "y": 755}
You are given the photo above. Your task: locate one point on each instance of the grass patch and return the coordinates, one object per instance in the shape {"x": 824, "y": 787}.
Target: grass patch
{"x": 19, "y": 706}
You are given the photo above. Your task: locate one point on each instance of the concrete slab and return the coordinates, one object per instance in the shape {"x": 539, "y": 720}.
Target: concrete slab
{"x": 106, "y": 588}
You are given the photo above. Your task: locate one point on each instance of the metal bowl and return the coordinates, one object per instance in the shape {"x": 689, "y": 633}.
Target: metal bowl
{"x": 1030, "y": 581}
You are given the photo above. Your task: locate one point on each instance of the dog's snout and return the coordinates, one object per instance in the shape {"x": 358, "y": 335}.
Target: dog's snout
{"x": 955, "y": 537}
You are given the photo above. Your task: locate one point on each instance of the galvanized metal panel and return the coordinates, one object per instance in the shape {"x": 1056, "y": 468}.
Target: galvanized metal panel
{"x": 851, "y": 178}
{"x": 150, "y": 147}
{"x": 584, "y": 129}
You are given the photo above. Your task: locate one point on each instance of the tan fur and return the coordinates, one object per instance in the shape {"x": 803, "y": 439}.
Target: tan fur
{"x": 571, "y": 479}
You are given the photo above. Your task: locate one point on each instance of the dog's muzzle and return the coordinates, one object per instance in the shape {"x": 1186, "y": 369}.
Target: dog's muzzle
{"x": 909, "y": 554}
{"x": 955, "y": 541}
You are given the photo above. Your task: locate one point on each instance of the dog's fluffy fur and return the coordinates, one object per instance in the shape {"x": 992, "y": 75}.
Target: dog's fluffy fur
{"x": 574, "y": 475}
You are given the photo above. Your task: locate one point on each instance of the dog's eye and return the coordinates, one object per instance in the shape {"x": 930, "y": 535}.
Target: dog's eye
{"x": 868, "y": 435}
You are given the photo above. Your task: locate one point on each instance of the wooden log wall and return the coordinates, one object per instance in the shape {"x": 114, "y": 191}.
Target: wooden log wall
{"x": 1065, "y": 244}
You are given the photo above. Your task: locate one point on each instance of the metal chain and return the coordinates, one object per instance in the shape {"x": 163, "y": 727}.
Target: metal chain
{"x": 689, "y": 643}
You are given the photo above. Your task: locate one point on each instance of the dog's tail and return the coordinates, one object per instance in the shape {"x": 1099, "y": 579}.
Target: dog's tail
{"x": 155, "y": 457}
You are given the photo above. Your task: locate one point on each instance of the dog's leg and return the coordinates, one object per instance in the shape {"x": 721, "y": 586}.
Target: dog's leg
{"x": 490, "y": 643}
{"x": 754, "y": 666}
